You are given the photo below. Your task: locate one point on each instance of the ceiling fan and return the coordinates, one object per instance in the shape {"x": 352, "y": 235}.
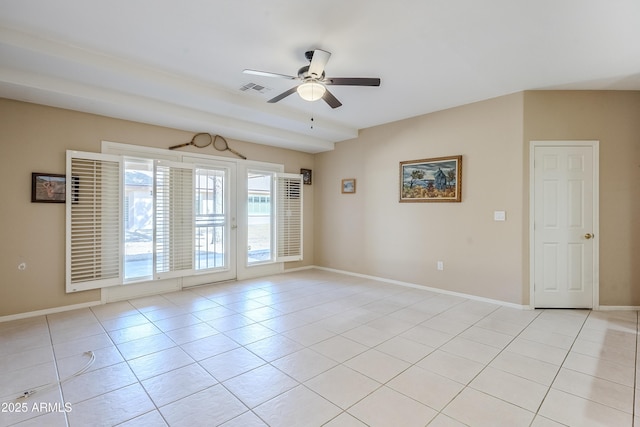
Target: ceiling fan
{"x": 314, "y": 81}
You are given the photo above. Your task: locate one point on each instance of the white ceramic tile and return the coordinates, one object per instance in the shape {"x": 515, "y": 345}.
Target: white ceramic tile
{"x": 540, "y": 421}
{"x": 572, "y": 410}
{"x": 25, "y": 379}
{"x": 80, "y": 346}
{"x": 511, "y": 388}
{"x": 160, "y": 362}
{"x": 377, "y": 365}
{"x": 475, "y": 408}
{"x": 209, "y": 346}
{"x": 25, "y": 359}
{"x": 209, "y": 407}
{"x": 121, "y": 322}
{"x": 600, "y": 368}
{"x": 339, "y": 348}
{"x": 152, "y": 418}
{"x": 120, "y": 336}
{"x": 248, "y": 419}
{"x": 367, "y": 335}
{"x": 251, "y": 333}
{"x": 539, "y": 351}
{"x": 526, "y": 367}
{"x": 621, "y": 355}
{"x": 274, "y": 347}
{"x": 405, "y": 349}
{"x": 446, "y": 325}
{"x": 304, "y": 364}
{"x": 94, "y": 383}
{"x": 342, "y": 386}
{"x": 308, "y": 335}
{"x": 103, "y": 357}
{"x": 191, "y": 333}
{"x": 130, "y": 401}
{"x": 297, "y": 407}
{"x": 52, "y": 419}
{"x": 345, "y": 420}
{"x": 32, "y": 407}
{"x": 141, "y": 347}
{"x": 259, "y": 385}
{"x": 114, "y": 310}
{"x": 472, "y": 350}
{"x": 486, "y": 336}
{"x": 213, "y": 313}
{"x": 426, "y": 387}
{"x": 386, "y": 407}
{"x": 165, "y": 313}
{"x": 605, "y": 392}
{"x": 427, "y": 336}
{"x": 546, "y": 337}
{"x": 456, "y": 368}
{"x": 177, "y": 322}
{"x": 502, "y": 326}
{"x": 177, "y": 384}
{"x": 231, "y": 363}
{"x": 76, "y": 332}
{"x": 444, "y": 421}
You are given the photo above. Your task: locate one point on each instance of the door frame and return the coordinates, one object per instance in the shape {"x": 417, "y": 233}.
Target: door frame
{"x": 595, "y": 147}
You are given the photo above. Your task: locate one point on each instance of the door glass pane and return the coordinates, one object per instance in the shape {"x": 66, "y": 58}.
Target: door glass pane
{"x": 138, "y": 219}
{"x": 211, "y": 219}
{"x": 260, "y": 217}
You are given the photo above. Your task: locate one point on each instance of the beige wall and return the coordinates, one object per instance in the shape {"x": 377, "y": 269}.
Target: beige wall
{"x": 35, "y": 138}
{"x": 613, "y": 118}
{"x": 371, "y": 233}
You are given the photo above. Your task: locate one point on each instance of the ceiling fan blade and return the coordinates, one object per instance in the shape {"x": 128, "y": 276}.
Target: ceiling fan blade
{"x": 283, "y": 95}
{"x": 268, "y": 74}
{"x": 352, "y": 81}
{"x": 318, "y": 62}
{"x": 331, "y": 100}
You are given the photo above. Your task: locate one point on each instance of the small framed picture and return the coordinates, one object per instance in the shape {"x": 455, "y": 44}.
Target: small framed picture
{"x": 306, "y": 176}
{"x": 349, "y": 186}
{"x": 48, "y": 188}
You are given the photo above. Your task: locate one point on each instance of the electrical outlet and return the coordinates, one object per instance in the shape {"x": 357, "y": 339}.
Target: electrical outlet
{"x": 440, "y": 265}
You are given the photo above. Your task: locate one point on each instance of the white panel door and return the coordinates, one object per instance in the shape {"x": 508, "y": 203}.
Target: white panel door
{"x": 564, "y": 270}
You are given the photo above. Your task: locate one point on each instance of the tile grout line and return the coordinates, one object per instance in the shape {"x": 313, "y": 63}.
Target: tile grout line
{"x": 562, "y": 364}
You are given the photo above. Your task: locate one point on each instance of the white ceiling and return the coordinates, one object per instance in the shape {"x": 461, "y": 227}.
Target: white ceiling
{"x": 179, "y": 63}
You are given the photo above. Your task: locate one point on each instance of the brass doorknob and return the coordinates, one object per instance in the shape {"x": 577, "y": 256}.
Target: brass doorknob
{"x": 588, "y": 236}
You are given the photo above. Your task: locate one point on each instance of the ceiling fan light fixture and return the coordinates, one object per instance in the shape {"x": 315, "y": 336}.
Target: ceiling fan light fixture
{"x": 311, "y": 91}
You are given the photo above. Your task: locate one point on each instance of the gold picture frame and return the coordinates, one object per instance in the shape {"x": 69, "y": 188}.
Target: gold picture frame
{"x": 349, "y": 186}
{"x": 431, "y": 180}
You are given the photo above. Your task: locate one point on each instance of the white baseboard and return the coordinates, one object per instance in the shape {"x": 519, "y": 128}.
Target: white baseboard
{"x": 427, "y": 288}
{"x": 48, "y": 311}
{"x": 618, "y": 308}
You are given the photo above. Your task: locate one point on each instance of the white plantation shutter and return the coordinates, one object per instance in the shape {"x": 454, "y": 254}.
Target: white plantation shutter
{"x": 289, "y": 217}
{"x": 93, "y": 221}
{"x": 174, "y": 219}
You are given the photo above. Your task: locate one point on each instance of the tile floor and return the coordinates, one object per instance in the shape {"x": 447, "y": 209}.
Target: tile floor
{"x": 314, "y": 348}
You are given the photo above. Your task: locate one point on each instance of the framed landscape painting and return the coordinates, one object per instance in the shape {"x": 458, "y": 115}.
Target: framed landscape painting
{"x": 431, "y": 180}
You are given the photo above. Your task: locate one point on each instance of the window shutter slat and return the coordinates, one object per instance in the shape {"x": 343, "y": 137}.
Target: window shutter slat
{"x": 174, "y": 219}
{"x": 93, "y": 221}
{"x": 289, "y": 217}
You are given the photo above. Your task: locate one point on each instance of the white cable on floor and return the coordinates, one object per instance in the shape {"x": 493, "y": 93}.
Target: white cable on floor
{"x": 31, "y": 392}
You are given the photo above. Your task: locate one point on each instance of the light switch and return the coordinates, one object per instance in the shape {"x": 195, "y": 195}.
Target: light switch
{"x": 499, "y": 216}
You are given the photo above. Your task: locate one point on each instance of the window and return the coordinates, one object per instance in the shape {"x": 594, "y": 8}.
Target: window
{"x": 259, "y": 221}
{"x": 146, "y": 216}
{"x": 211, "y": 218}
